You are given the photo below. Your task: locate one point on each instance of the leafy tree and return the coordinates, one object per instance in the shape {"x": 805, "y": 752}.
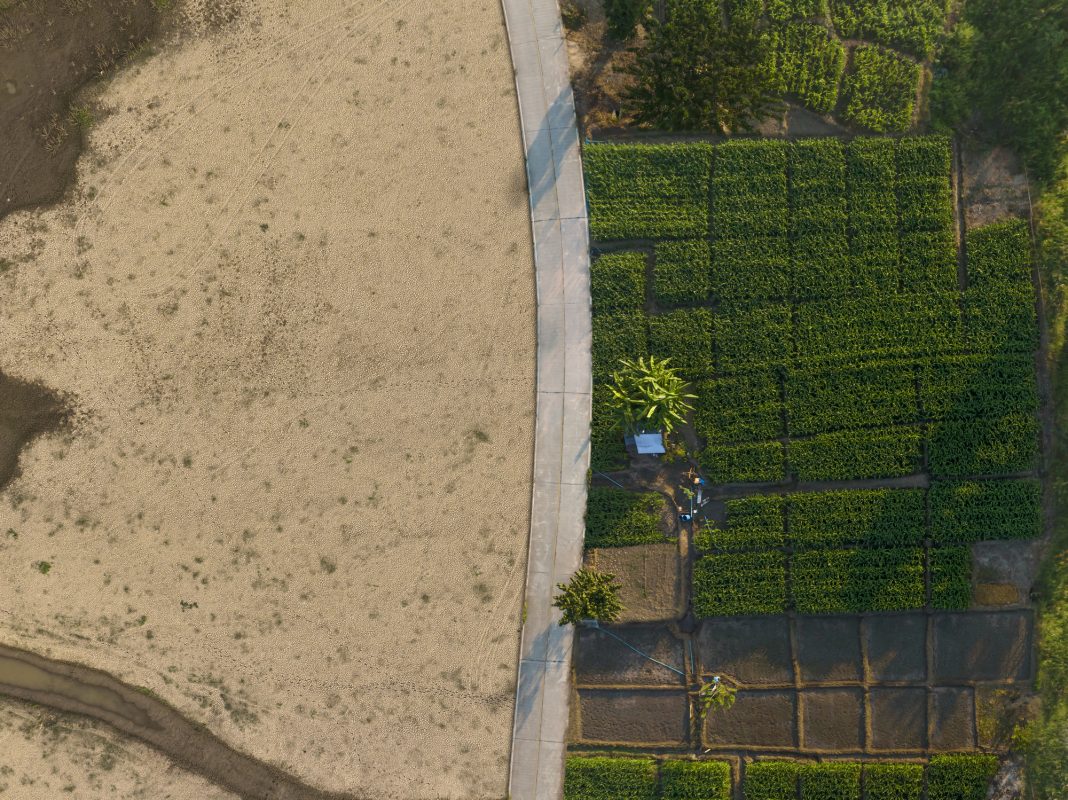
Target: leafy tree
{"x": 697, "y": 73}
{"x": 648, "y": 393}
{"x": 589, "y": 595}
{"x": 624, "y": 15}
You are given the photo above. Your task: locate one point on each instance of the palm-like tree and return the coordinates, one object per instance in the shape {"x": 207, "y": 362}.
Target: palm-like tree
{"x": 649, "y": 395}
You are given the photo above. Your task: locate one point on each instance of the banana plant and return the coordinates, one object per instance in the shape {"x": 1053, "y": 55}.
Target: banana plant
{"x": 648, "y": 394}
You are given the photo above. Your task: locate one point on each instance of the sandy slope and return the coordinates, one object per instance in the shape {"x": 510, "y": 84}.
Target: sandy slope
{"x": 293, "y": 305}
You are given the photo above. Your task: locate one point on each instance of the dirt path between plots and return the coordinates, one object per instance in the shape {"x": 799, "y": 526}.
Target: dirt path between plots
{"x": 89, "y": 692}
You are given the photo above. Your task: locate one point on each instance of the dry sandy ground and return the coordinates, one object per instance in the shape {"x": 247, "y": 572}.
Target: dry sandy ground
{"x": 54, "y": 755}
{"x": 292, "y": 303}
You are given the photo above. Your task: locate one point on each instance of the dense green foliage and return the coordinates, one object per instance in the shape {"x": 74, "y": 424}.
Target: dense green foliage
{"x": 806, "y": 62}
{"x": 739, "y": 583}
{"x": 695, "y": 780}
{"x": 697, "y": 73}
{"x": 830, "y": 781}
{"x": 893, "y": 781}
{"x": 832, "y": 342}
{"x": 881, "y": 89}
{"x": 965, "y": 512}
{"x": 681, "y": 272}
{"x": 647, "y": 191}
{"x": 610, "y": 779}
{"x": 648, "y": 394}
{"x": 1008, "y": 62}
{"x": 960, "y": 777}
{"x": 623, "y": 16}
{"x": 912, "y": 25}
{"x": 771, "y": 780}
{"x": 617, "y": 281}
{"x": 617, "y": 518}
{"x": 589, "y": 595}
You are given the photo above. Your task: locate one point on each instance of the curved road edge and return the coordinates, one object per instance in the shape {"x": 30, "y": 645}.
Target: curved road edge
{"x": 564, "y": 387}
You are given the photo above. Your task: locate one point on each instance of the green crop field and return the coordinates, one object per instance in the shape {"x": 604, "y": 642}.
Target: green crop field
{"x": 949, "y": 777}
{"x": 813, "y": 294}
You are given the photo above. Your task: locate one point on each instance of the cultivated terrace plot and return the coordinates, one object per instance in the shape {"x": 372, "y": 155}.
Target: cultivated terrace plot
{"x": 812, "y": 294}
{"x": 867, "y": 412}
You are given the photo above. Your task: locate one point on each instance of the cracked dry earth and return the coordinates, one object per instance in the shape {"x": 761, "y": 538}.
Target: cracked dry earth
{"x": 289, "y": 305}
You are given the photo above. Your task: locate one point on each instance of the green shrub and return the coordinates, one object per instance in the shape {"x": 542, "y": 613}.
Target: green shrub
{"x": 992, "y": 446}
{"x": 893, "y": 781}
{"x": 749, "y": 338}
{"x": 617, "y": 281}
{"x": 870, "y": 517}
{"x": 609, "y": 779}
{"x": 647, "y": 191}
{"x": 744, "y": 463}
{"x": 684, "y": 336}
{"x": 881, "y": 89}
{"x": 1000, "y": 253}
{"x": 695, "y": 780}
{"x": 850, "y": 455}
{"x": 960, "y": 777}
{"x": 616, "y": 336}
{"x": 951, "y": 578}
{"x": 966, "y": 512}
{"x": 617, "y": 518}
{"x": 739, "y": 583}
{"x": 807, "y": 62}
{"x": 830, "y": 781}
{"x": 837, "y": 398}
{"x": 681, "y": 272}
{"x": 741, "y": 408}
{"x": 771, "y": 780}
{"x": 623, "y": 16}
{"x": 753, "y": 523}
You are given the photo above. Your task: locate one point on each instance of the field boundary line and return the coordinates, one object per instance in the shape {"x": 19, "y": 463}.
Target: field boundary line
{"x": 560, "y": 232}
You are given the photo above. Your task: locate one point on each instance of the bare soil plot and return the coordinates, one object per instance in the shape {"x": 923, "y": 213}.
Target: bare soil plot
{"x": 291, "y": 303}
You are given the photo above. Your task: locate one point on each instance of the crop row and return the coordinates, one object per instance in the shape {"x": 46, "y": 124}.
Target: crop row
{"x": 945, "y": 777}
{"x": 617, "y": 518}
{"x": 961, "y": 512}
{"x": 827, "y": 335}
{"x": 739, "y": 189}
{"x": 911, "y": 25}
{"x": 807, "y": 62}
{"x": 831, "y": 581}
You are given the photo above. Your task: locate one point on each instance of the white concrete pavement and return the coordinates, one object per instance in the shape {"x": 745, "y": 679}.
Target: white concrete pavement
{"x": 564, "y": 385}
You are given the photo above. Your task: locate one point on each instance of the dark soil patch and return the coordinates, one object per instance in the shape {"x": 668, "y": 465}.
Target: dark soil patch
{"x": 26, "y": 411}
{"x": 981, "y": 646}
{"x": 828, "y": 649}
{"x": 896, "y": 647}
{"x": 833, "y": 719}
{"x": 602, "y": 660}
{"x": 898, "y": 718}
{"x": 49, "y": 49}
{"x": 750, "y": 650}
{"x": 952, "y": 719}
{"x": 761, "y": 719}
{"x": 642, "y": 717}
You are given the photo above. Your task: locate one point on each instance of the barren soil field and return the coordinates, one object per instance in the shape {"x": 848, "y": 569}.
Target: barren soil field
{"x": 288, "y": 310}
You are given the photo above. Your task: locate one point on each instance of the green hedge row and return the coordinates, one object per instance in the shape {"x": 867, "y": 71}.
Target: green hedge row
{"x": 948, "y": 777}
{"x": 601, "y": 778}
{"x": 617, "y": 518}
